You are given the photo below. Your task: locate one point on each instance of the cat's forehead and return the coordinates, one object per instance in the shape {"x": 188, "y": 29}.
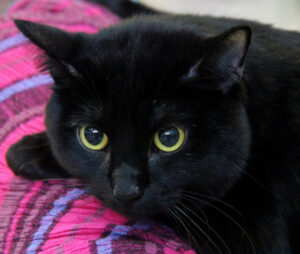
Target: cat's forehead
{"x": 143, "y": 51}
{"x": 122, "y": 106}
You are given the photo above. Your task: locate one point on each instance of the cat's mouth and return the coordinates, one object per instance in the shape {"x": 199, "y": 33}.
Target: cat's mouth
{"x": 142, "y": 208}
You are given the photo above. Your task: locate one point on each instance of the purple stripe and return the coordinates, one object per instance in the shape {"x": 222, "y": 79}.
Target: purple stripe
{"x": 12, "y": 42}
{"x": 26, "y": 84}
{"x": 17, "y": 191}
{"x": 104, "y": 245}
{"x": 42, "y": 198}
{"x": 58, "y": 207}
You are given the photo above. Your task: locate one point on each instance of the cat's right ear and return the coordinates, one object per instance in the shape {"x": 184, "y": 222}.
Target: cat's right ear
{"x": 56, "y": 43}
{"x": 60, "y": 48}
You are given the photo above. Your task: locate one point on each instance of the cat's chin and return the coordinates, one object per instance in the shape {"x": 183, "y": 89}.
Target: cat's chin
{"x": 135, "y": 215}
{"x": 132, "y": 211}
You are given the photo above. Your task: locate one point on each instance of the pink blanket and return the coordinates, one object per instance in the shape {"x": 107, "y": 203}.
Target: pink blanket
{"x": 56, "y": 216}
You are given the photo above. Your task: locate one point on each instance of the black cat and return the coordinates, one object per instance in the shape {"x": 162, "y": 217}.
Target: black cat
{"x": 164, "y": 117}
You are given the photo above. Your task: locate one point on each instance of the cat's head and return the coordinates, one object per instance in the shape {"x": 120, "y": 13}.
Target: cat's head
{"x": 146, "y": 111}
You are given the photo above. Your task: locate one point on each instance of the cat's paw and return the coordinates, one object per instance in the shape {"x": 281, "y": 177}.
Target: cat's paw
{"x": 32, "y": 158}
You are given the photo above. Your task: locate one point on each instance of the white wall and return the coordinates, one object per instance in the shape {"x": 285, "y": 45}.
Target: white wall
{"x": 280, "y": 13}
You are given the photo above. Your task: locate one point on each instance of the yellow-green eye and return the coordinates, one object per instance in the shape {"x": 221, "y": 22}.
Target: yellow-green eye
{"x": 169, "y": 140}
{"x": 93, "y": 138}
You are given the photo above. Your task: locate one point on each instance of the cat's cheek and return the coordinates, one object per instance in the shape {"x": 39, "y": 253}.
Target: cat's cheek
{"x": 77, "y": 161}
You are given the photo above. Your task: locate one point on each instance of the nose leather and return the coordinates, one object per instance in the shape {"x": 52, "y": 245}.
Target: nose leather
{"x": 125, "y": 183}
{"x": 124, "y": 192}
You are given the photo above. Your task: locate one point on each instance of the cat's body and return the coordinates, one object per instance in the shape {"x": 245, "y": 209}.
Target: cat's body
{"x": 242, "y": 144}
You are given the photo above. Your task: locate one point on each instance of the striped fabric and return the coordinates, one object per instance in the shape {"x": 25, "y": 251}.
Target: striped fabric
{"x": 56, "y": 216}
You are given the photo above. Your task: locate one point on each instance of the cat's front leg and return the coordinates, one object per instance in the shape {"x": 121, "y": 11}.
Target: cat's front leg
{"x": 32, "y": 158}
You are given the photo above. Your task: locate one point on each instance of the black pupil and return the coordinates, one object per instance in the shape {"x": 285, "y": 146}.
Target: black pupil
{"x": 93, "y": 136}
{"x": 168, "y": 137}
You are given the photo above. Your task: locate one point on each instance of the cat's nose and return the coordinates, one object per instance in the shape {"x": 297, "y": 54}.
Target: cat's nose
{"x": 126, "y": 193}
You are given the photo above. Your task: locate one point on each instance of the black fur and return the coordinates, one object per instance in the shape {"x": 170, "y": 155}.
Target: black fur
{"x": 125, "y": 8}
{"x": 234, "y": 184}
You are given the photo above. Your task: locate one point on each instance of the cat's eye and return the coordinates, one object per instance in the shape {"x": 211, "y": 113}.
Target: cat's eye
{"x": 93, "y": 138}
{"x": 169, "y": 140}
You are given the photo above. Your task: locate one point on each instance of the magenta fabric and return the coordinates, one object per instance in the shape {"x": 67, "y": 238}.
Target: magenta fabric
{"x": 56, "y": 216}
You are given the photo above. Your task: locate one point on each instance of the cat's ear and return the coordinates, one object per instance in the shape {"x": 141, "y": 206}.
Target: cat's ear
{"x": 223, "y": 64}
{"x": 60, "y": 46}
{"x": 57, "y": 43}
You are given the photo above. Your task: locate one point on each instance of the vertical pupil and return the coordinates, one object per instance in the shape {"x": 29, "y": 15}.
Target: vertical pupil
{"x": 169, "y": 137}
{"x": 93, "y": 136}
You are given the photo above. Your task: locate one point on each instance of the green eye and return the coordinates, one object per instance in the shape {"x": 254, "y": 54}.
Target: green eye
{"x": 169, "y": 140}
{"x": 93, "y": 138}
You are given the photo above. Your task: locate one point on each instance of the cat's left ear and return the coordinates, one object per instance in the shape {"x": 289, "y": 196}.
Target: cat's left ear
{"x": 56, "y": 43}
{"x": 223, "y": 64}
